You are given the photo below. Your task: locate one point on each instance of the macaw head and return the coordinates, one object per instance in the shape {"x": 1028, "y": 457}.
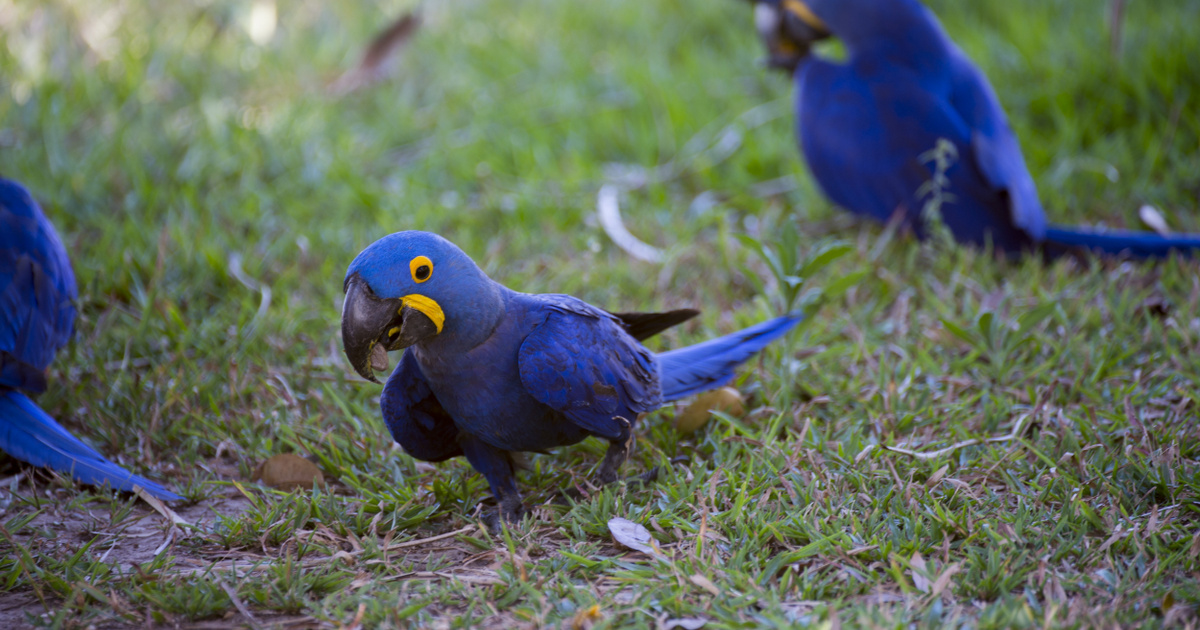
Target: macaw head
{"x": 788, "y": 28}
{"x": 413, "y": 288}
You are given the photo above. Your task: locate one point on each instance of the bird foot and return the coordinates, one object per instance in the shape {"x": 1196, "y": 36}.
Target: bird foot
{"x": 508, "y": 513}
{"x": 644, "y": 479}
{"x": 637, "y": 481}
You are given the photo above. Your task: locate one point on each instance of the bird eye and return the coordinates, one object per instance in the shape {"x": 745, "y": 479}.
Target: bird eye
{"x": 421, "y": 268}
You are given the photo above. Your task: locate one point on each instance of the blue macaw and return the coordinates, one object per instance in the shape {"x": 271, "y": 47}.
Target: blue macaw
{"x": 908, "y": 123}
{"x": 37, "y": 291}
{"x": 489, "y": 371}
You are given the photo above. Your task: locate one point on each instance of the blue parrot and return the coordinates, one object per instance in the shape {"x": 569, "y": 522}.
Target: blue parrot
{"x": 907, "y": 123}
{"x": 37, "y": 291}
{"x": 488, "y": 371}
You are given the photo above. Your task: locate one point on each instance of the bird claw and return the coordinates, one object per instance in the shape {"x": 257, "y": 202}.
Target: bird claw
{"x": 493, "y": 522}
{"x": 509, "y": 513}
{"x": 644, "y": 479}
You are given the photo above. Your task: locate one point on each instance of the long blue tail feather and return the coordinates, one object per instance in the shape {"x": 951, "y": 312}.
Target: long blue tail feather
{"x": 1135, "y": 244}
{"x": 32, "y": 436}
{"x": 711, "y": 364}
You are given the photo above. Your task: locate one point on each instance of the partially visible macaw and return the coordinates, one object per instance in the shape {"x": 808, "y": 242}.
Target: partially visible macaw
{"x": 37, "y": 291}
{"x": 907, "y": 123}
{"x": 489, "y": 371}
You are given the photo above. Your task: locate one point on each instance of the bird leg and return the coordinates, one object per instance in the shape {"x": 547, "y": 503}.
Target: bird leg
{"x": 496, "y": 465}
{"x": 616, "y": 455}
{"x": 618, "y": 452}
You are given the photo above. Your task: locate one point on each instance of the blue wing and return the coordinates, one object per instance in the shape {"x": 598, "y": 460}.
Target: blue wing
{"x": 583, "y": 364}
{"x": 31, "y": 435}
{"x": 994, "y": 146}
{"x": 708, "y": 365}
{"x": 37, "y": 290}
{"x": 414, "y": 415}
{"x": 869, "y": 129}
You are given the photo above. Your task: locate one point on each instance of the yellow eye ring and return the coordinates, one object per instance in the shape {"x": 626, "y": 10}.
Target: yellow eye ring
{"x": 421, "y": 268}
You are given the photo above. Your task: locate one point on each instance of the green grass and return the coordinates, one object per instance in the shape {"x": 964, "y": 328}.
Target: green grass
{"x": 212, "y": 192}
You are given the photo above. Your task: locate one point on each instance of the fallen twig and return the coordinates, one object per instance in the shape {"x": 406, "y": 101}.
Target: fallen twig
{"x": 422, "y": 541}
{"x": 237, "y": 603}
{"x": 235, "y": 269}
{"x": 609, "y": 213}
{"x": 1016, "y": 432}
{"x": 429, "y": 575}
{"x": 232, "y": 565}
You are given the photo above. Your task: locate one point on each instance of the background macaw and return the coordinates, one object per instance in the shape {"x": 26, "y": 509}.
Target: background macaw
{"x": 489, "y": 371}
{"x": 907, "y": 123}
{"x": 37, "y": 317}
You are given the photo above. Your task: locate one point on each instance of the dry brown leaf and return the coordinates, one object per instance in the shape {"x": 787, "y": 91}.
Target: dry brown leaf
{"x": 1153, "y": 524}
{"x": 288, "y": 471}
{"x": 705, "y": 583}
{"x": 920, "y": 573}
{"x": 632, "y": 535}
{"x": 388, "y": 41}
{"x": 1117, "y": 534}
{"x": 870, "y": 448}
{"x": 374, "y": 65}
{"x": 361, "y": 580}
{"x": 344, "y": 557}
{"x": 726, "y": 400}
{"x": 238, "y": 603}
{"x": 356, "y": 623}
{"x": 937, "y": 476}
{"x": 943, "y": 581}
{"x": 160, "y": 507}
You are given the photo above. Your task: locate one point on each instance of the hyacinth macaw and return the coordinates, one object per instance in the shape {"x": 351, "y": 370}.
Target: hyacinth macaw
{"x": 907, "y": 123}
{"x": 37, "y": 317}
{"x": 489, "y": 371}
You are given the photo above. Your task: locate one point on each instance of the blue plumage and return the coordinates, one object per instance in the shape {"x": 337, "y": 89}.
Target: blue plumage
{"x": 909, "y": 123}
{"x": 488, "y": 371}
{"x": 710, "y": 365}
{"x": 37, "y": 293}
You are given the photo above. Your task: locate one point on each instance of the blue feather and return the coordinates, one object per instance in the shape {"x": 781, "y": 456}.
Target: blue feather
{"x": 1120, "y": 242}
{"x": 30, "y": 435}
{"x": 711, "y": 364}
{"x": 37, "y": 294}
{"x": 907, "y": 122}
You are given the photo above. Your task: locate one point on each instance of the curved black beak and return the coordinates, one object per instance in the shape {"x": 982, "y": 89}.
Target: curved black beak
{"x": 371, "y": 326}
{"x": 788, "y": 29}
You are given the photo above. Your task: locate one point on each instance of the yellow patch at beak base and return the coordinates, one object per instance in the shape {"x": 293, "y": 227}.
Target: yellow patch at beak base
{"x": 802, "y": 11}
{"x": 427, "y": 306}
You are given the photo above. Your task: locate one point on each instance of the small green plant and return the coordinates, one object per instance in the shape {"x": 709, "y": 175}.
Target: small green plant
{"x": 999, "y": 339}
{"x": 793, "y": 267}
